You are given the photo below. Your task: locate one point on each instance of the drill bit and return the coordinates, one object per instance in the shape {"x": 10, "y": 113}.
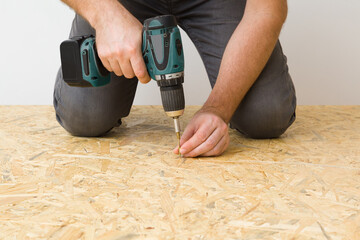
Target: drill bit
{"x": 178, "y": 136}
{"x": 177, "y": 130}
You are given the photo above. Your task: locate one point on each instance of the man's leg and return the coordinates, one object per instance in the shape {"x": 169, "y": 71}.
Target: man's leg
{"x": 94, "y": 111}
{"x": 268, "y": 108}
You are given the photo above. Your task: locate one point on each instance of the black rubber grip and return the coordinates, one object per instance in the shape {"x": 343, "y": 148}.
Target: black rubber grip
{"x": 173, "y": 98}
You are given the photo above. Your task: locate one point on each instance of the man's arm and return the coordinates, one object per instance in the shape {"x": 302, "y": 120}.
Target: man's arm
{"x": 118, "y": 36}
{"x": 245, "y": 56}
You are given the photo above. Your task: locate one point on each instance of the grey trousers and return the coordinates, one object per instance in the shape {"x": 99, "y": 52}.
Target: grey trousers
{"x": 267, "y": 110}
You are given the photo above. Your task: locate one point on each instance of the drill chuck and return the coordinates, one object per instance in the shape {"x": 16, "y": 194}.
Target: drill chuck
{"x": 172, "y": 96}
{"x": 172, "y": 93}
{"x": 173, "y": 100}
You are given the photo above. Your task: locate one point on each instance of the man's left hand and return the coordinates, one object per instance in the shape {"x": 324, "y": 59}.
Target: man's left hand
{"x": 205, "y": 135}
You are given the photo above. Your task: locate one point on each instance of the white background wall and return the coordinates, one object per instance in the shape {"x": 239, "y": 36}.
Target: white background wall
{"x": 321, "y": 39}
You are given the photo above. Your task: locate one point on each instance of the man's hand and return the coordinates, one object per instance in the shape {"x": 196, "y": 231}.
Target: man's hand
{"x": 206, "y": 135}
{"x": 118, "y": 36}
{"x": 118, "y": 42}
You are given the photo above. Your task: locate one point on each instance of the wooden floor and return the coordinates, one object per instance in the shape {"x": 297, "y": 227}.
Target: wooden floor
{"x": 129, "y": 185}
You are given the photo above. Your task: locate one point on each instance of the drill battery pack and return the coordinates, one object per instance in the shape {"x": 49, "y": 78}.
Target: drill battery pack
{"x": 80, "y": 63}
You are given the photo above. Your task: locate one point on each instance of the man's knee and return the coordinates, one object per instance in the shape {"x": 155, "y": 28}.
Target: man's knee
{"x": 86, "y": 124}
{"x": 87, "y": 115}
{"x": 87, "y": 129}
{"x": 264, "y": 120}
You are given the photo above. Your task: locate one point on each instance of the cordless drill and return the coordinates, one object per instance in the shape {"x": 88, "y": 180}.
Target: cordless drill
{"x": 162, "y": 53}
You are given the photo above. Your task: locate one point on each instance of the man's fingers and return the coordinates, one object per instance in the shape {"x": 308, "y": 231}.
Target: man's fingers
{"x": 198, "y": 138}
{"x": 206, "y": 135}
{"x": 219, "y": 148}
{"x": 139, "y": 67}
{"x": 188, "y": 132}
{"x": 114, "y": 65}
{"x": 127, "y": 69}
{"x": 106, "y": 64}
{"x": 104, "y": 58}
{"x": 210, "y": 143}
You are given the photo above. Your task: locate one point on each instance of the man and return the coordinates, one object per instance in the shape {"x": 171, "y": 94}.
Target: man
{"x": 238, "y": 43}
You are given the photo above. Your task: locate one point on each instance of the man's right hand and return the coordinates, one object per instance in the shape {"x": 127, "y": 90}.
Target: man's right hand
{"x": 118, "y": 36}
{"x": 118, "y": 42}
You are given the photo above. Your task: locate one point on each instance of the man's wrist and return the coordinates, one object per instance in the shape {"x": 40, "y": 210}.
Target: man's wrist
{"x": 218, "y": 110}
{"x": 110, "y": 11}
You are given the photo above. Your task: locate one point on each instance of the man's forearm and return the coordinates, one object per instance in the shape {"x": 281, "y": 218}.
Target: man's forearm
{"x": 95, "y": 11}
{"x": 246, "y": 54}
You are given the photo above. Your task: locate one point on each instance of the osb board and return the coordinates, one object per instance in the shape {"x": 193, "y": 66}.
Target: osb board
{"x": 129, "y": 185}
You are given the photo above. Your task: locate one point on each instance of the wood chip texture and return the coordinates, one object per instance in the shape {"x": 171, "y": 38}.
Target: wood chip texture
{"x": 129, "y": 185}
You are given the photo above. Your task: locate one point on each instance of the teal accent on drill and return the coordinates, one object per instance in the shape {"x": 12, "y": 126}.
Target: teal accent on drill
{"x": 95, "y": 78}
{"x": 175, "y": 62}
